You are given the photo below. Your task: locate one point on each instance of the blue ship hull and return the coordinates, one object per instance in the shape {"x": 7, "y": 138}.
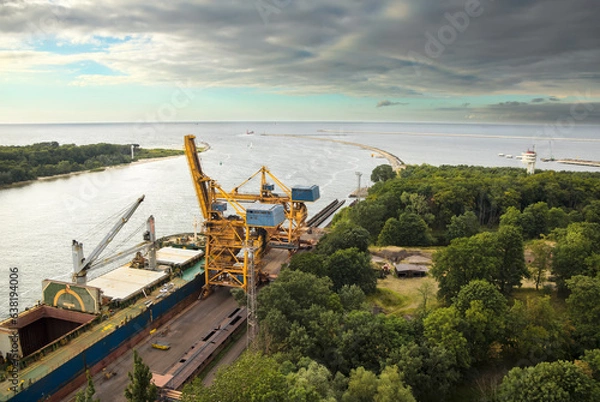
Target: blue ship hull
{"x": 95, "y": 353}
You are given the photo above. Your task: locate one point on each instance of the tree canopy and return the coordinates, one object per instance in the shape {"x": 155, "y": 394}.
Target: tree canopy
{"x": 559, "y": 381}
{"x": 140, "y": 387}
{"x": 20, "y": 163}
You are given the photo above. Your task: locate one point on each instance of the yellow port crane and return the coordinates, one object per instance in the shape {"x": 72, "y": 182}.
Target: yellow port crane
{"x": 271, "y": 219}
{"x": 286, "y": 235}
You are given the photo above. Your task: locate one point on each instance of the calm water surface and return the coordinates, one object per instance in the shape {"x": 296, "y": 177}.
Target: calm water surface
{"x": 41, "y": 219}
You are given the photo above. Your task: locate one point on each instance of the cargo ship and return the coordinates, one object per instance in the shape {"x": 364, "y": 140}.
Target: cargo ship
{"x": 84, "y": 325}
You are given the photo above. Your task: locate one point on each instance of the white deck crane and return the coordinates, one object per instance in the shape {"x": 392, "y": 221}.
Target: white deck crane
{"x": 82, "y": 265}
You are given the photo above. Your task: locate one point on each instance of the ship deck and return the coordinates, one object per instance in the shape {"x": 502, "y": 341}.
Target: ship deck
{"x": 46, "y": 364}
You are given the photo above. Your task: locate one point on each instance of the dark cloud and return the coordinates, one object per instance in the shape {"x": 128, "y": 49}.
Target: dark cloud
{"x": 585, "y": 112}
{"x": 384, "y": 103}
{"x": 384, "y": 49}
{"x": 510, "y": 104}
{"x": 538, "y": 100}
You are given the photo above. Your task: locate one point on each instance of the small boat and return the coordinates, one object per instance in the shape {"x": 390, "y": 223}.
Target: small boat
{"x": 509, "y": 156}
{"x": 249, "y": 132}
{"x": 500, "y": 154}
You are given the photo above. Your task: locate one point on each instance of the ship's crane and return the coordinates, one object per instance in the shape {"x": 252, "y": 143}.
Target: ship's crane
{"x": 267, "y": 219}
{"x": 81, "y": 265}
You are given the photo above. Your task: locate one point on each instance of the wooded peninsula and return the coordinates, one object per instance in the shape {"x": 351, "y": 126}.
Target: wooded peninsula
{"x": 28, "y": 162}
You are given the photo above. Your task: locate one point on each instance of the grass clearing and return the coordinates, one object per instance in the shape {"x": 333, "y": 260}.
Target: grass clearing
{"x": 402, "y": 296}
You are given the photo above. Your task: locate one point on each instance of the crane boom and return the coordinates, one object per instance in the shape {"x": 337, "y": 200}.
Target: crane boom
{"x": 200, "y": 179}
{"x": 80, "y": 264}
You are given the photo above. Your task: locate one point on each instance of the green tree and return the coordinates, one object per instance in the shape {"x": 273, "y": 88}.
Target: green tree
{"x": 559, "y": 381}
{"x": 483, "y": 309}
{"x": 557, "y": 218}
{"x": 367, "y": 339}
{"x": 344, "y": 235}
{"x": 465, "y": 225}
{"x": 442, "y": 327}
{"x": 365, "y": 386}
{"x": 541, "y": 252}
{"x": 311, "y": 263}
{"x": 312, "y": 382}
{"x": 535, "y": 331}
{"x": 512, "y": 217}
{"x": 391, "y": 388}
{"x": 87, "y": 395}
{"x": 574, "y": 251}
{"x": 352, "y": 297}
{"x": 430, "y": 370}
{"x": 417, "y": 204}
{"x": 413, "y": 231}
{"x": 351, "y": 267}
{"x": 296, "y": 296}
{"x": 534, "y": 220}
{"x": 390, "y": 233}
{"x": 140, "y": 387}
{"x": 592, "y": 359}
{"x": 465, "y": 259}
{"x": 583, "y": 305}
{"x": 591, "y": 212}
{"x": 362, "y": 386}
{"x": 511, "y": 268}
{"x": 252, "y": 377}
{"x": 382, "y": 173}
{"x": 370, "y": 215}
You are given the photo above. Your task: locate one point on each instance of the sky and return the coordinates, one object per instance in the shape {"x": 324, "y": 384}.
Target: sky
{"x": 498, "y": 61}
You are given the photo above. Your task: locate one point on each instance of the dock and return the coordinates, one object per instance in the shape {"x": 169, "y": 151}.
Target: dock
{"x": 181, "y": 333}
{"x": 579, "y": 162}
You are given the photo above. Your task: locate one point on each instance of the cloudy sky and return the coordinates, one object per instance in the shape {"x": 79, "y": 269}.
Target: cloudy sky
{"x": 359, "y": 60}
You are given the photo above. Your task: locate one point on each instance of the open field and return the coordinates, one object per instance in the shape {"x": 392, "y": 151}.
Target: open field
{"x": 404, "y": 296}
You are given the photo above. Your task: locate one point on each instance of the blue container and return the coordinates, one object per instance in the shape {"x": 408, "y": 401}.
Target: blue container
{"x": 219, "y": 206}
{"x": 305, "y": 193}
{"x": 265, "y": 215}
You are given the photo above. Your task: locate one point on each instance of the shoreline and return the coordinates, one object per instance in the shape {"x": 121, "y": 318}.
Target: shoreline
{"x": 205, "y": 147}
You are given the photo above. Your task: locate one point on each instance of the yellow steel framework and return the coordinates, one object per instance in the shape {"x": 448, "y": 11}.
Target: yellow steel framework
{"x": 226, "y": 258}
{"x": 229, "y": 238}
{"x": 288, "y": 234}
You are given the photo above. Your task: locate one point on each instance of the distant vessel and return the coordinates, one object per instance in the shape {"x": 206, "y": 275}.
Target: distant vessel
{"x": 509, "y": 156}
{"x": 500, "y": 154}
{"x": 249, "y": 132}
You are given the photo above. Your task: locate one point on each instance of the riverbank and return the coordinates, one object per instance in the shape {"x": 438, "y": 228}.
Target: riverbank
{"x": 96, "y": 170}
{"x": 203, "y": 147}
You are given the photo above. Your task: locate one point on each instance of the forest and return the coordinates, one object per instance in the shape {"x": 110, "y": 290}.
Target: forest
{"x": 487, "y": 338}
{"x": 22, "y": 163}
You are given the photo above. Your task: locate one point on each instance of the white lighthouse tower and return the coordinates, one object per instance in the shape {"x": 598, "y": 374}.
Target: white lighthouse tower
{"x": 529, "y": 159}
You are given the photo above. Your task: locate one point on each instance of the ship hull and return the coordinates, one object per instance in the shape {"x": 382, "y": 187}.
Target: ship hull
{"x": 66, "y": 378}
